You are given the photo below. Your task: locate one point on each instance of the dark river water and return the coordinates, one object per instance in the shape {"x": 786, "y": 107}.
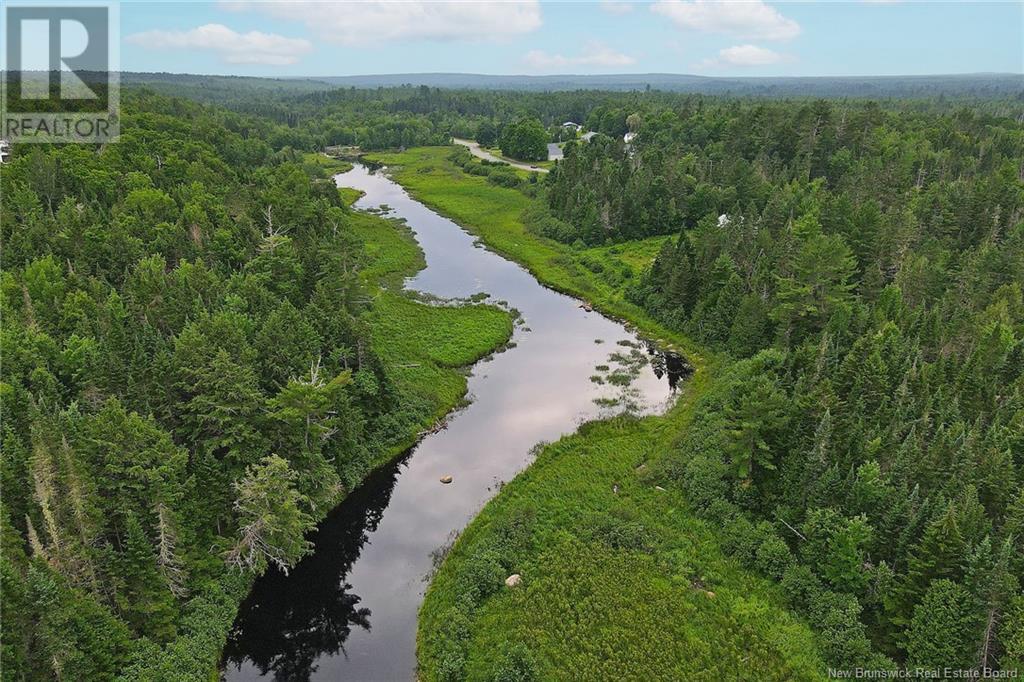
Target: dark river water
{"x": 348, "y": 610}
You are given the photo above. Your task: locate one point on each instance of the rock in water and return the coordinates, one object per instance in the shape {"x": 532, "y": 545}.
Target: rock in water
{"x": 446, "y": 479}
{"x": 513, "y": 580}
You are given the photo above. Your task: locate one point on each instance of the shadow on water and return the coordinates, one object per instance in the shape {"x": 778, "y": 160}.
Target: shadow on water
{"x": 348, "y": 610}
{"x": 290, "y": 621}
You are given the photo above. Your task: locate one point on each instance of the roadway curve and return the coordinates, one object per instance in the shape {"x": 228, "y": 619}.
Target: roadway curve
{"x": 477, "y": 151}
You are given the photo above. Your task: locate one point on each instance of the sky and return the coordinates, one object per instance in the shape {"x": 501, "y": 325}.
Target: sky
{"x": 732, "y": 38}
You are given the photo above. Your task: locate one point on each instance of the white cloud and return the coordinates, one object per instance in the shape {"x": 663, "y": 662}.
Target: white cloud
{"x": 362, "y": 23}
{"x": 743, "y": 55}
{"x": 751, "y": 19}
{"x": 594, "y": 54}
{"x": 616, "y": 7}
{"x": 254, "y": 47}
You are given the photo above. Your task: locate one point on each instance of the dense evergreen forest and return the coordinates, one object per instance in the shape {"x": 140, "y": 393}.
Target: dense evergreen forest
{"x": 189, "y": 380}
{"x": 188, "y": 384}
{"x": 870, "y": 452}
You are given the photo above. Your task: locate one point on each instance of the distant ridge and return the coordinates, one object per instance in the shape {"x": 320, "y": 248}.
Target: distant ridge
{"x": 979, "y": 85}
{"x": 985, "y": 84}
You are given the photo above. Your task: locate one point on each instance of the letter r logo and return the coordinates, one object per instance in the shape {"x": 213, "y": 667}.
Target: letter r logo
{"x": 51, "y": 49}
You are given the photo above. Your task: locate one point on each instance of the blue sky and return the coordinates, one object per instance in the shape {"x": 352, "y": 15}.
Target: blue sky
{"x": 675, "y": 36}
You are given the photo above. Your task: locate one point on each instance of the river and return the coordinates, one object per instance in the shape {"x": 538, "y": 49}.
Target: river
{"x": 348, "y": 610}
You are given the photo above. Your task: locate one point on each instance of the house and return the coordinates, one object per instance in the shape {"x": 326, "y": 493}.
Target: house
{"x": 573, "y": 126}
{"x": 586, "y": 136}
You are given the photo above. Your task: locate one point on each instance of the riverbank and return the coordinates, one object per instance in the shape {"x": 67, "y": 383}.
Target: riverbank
{"x": 430, "y": 371}
{"x": 493, "y": 213}
{"x": 362, "y": 592}
{"x": 616, "y": 574}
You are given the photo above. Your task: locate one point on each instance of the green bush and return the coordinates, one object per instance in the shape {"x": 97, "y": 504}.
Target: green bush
{"x": 620, "y": 530}
{"x": 515, "y": 665}
{"x": 482, "y": 574}
{"x": 503, "y": 177}
{"x": 704, "y": 481}
{"x": 773, "y": 557}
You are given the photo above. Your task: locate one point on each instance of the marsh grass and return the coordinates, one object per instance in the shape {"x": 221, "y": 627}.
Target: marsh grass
{"x": 426, "y": 346}
{"x": 620, "y": 579}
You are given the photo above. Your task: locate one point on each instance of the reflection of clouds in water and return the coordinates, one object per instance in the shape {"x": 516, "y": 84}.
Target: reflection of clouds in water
{"x": 538, "y": 391}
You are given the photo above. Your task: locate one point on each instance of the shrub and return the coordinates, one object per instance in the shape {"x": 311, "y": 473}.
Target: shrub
{"x": 703, "y": 480}
{"x": 773, "y": 556}
{"x": 503, "y": 177}
{"x": 740, "y": 538}
{"x": 515, "y": 665}
{"x": 801, "y": 587}
{"x": 482, "y": 575}
{"x": 619, "y": 530}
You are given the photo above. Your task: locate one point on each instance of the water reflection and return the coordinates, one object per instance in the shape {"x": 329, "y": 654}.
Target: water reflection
{"x": 290, "y": 621}
{"x": 669, "y": 364}
{"x": 348, "y": 611}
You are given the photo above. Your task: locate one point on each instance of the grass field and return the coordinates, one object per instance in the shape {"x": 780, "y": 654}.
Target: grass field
{"x": 329, "y": 164}
{"x": 619, "y": 579}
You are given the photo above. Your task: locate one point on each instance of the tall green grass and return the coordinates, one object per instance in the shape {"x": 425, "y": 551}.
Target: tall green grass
{"x": 620, "y": 580}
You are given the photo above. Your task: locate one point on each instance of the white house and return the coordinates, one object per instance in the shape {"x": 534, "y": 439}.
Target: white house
{"x": 570, "y": 124}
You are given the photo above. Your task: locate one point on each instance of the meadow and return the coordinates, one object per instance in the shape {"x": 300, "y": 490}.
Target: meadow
{"x": 635, "y": 580}
{"x": 639, "y": 587}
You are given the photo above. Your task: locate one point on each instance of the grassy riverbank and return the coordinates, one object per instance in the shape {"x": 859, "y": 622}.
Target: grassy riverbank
{"x": 426, "y": 350}
{"x": 619, "y": 579}
{"x": 493, "y": 213}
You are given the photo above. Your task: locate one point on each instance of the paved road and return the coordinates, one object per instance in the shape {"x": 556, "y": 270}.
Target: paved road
{"x": 476, "y": 151}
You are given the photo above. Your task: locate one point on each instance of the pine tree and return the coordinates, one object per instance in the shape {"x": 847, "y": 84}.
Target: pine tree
{"x": 756, "y": 411}
{"x": 942, "y": 629}
{"x": 144, "y": 598}
{"x": 271, "y": 522}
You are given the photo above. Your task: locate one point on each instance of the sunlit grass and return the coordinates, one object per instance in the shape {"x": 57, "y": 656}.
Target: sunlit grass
{"x": 329, "y": 164}
{"x": 619, "y": 579}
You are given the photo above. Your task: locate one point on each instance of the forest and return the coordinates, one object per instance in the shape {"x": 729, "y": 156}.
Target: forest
{"x": 867, "y": 266}
{"x": 194, "y": 374}
{"x": 199, "y": 364}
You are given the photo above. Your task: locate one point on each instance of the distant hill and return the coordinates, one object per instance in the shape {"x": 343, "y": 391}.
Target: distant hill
{"x": 974, "y": 85}
{"x": 981, "y": 85}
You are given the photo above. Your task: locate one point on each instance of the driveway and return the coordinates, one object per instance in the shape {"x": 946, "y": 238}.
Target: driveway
{"x": 476, "y": 151}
